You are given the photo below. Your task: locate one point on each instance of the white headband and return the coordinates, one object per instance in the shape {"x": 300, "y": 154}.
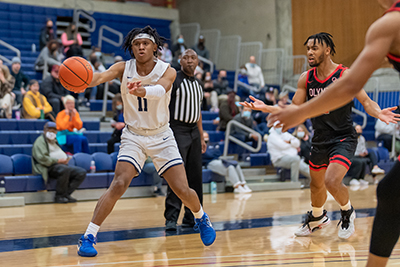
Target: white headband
{"x": 144, "y": 36}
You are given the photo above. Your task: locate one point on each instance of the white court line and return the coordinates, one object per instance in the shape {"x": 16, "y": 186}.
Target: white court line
{"x": 202, "y": 258}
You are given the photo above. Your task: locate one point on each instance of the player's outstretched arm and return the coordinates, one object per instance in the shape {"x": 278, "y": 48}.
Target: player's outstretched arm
{"x": 115, "y": 71}
{"x": 156, "y": 91}
{"x": 259, "y": 105}
{"x": 379, "y": 39}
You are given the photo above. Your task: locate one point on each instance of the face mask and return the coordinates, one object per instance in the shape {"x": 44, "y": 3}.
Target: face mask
{"x": 179, "y": 61}
{"x": 208, "y": 78}
{"x": 300, "y": 134}
{"x": 98, "y": 54}
{"x": 51, "y": 136}
{"x": 246, "y": 114}
{"x": 252, "y": 65}
{"x": 119, "y": 107}
{"x": 278, "y": 130}
{"x": 223, "y": 78}
{"x": 181, "y": 41}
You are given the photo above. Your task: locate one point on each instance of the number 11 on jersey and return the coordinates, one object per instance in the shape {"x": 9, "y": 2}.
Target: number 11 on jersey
{"x": 142, "y": 107}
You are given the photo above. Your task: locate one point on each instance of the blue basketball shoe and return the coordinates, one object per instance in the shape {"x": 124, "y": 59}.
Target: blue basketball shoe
{"x": 85, "y": 246}
{"x": 207, "y": 232}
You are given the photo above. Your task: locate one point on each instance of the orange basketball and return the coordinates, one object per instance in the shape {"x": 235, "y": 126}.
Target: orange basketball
{"x": 76, "y": 74}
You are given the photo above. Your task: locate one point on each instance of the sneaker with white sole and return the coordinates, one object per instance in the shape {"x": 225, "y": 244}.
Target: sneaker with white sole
{"x": 247, "y": 188}
{"x": 312, "y": 224}
{"x": 363, "y": 182}
{"x": 240, "y": 190}
{"x": 354, "y": 182}
{"x": 377, "y": 170}
{"x": 346, "y": 223}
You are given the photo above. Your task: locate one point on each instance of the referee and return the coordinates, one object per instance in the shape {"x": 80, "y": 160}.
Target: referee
{"x": 186, "y": 123}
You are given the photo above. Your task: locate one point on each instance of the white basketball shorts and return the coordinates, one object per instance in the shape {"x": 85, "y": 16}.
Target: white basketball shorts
{"x": 162, "y": 149}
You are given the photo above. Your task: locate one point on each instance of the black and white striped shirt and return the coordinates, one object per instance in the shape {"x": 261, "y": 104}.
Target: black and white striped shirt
{"x": 186, "y": 99}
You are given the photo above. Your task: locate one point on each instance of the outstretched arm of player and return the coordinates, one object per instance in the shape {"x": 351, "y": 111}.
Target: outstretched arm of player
{"x": 379, "y": 39}
{"x": 115, "y": 71}
{"x": 372, "y": 108}
{"x": 156, "y": 91}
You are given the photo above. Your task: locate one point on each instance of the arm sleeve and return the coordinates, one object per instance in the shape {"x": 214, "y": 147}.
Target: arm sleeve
{"x": 62, "y": 121}
{"x": 79, "y": 37}
{"x": 262, "y": 83}
{"x": 42, "y": 155}
{"x": 65, "y": 41}
{"x": 76, "y": 121}
{"x": 47, "y": 107}
{"x": 30, "y": 108}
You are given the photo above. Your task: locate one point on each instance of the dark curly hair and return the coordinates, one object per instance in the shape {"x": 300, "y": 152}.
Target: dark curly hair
{"x": 127, "y": 45}
{"x": 323, "y": 37}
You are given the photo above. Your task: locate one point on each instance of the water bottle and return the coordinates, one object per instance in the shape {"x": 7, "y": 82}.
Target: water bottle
{"x": 213, "y": 188}
{"x": 42, "y": 114}
{"x": 92, "y": 166}
{"x": 33, "y": 48}
{"x": 17, "y": 114}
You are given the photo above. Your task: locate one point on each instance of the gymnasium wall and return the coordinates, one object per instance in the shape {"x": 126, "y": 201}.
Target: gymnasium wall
{"x": 254, "y": 20}
{"x": 346, "y": 20}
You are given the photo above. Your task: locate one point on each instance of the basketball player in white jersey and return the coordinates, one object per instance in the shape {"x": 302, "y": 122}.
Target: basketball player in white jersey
{"x": 145, "y": 89}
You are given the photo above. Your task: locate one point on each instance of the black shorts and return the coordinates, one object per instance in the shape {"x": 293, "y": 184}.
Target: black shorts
{"x": 341, "y": 151}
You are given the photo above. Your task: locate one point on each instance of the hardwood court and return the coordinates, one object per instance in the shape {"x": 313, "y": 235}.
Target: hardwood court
{"x": 252, "y": 230}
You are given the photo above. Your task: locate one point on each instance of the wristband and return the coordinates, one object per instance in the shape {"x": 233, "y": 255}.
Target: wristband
{"x": 154, "y": 92}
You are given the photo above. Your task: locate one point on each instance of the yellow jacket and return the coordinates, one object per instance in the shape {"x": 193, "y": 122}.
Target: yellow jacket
{"x": 31, "y": 102}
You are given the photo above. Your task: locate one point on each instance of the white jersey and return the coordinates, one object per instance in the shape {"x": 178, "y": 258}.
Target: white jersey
{"x": 143, "y": 114}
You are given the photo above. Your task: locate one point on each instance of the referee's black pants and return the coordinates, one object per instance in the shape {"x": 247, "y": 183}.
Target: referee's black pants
{"x": 189, "y": 144}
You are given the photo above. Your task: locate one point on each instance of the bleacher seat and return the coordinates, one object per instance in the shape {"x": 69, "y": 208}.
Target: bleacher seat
{"x": 6, "y": 165}
{"x": 114, "y": 156}
{"x": 103, "y": 161}
{"x": 22, "y": 164}
{"x": 82, "y": 160}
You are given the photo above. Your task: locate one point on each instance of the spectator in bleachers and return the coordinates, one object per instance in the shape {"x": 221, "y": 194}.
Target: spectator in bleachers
{"x": 47, "y": 34}
{"x": 245, "y": 118}
{"x": 53, "y": 90}
{"x": 69, "y": 124}
{"x": 362, "y": 152}
{"x": 117, "y": 123}
{"x": 254, "y": 73}
{"x": 35, "y": 105}
{"x": 283, "y": 99}
{"x": 50, "y": 161}
{"x": 270, "y": 96}
{"x": 150, "y": 169}
{"x": 228, "y": 110}
{"x": 227, "y": 168}
{"x": 201, "y": 49}
{"x": 384, "y": 133}
{"x": 96, "y": 92}
{"x": 166, "y": 54}
{"x": 221, "y": 84}
{"x": 176, "y": 61}
{"x": 21, "y": 80}
{"x": 72, "y": 41}
{"x": 179, "y": 47}
{"x": 208, "y": 90}
{"x": 242, "y": 91}
{"x": 283, "y": 150}
{"x": 304, "y": 136}
{"x": 50, "y": 54}
{"x": 6, "y": 98}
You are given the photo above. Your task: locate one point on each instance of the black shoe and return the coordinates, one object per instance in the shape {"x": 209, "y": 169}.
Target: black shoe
{"x": 187, "y": 223}
{"x": 60, "y": 199}
{"x": 159, "y": 192}
{"x": 71, "y": 199}
{"x": 170, "y": 226}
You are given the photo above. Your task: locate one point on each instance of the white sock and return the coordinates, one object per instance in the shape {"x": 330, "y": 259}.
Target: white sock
{"x": 346, "y": 207}
{"x": 316, "y": 212}
{"x": 92, "y": 229}
{"x": 199, "y": 214}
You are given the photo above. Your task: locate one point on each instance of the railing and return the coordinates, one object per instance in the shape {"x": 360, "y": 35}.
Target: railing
{"x": 229, "y": 52}
{"x": 250, "y": 49}
{"x": 190, "y": 32}
{"x": 228, "y": 138}
{"x": 83, "y": 13}
{"x": 272, "y": 65}
{"x": 103, "y": 38}
{"x": 89, "y": 10}
{"x": 209, "y": 62}
{"x": 248, "y": 87}
{"x": 105, "y": 98}
{"x": 16, "y": 50}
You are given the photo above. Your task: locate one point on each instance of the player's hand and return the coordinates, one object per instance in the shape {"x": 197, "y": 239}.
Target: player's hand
{"x": 386, "y": 115}
{"x": 259, "y": 105}
{"x": 136, "y": 88}
{"x": 289, "y": 117}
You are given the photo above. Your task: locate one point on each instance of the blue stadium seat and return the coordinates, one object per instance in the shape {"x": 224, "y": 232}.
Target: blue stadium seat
{"x": 19, "y": 137}
{"x": 83, "y": 160}
{"x": 22, "y": 164}
{"x": 116, "y": 147}
{"x": 98, "y": 147}
{"x": 95, "y": 180}
{"x": 4, "y": 138}
{"x": 11, "y": 149}
{"x": 91, "y": 136}
{"x": 114, "y": 156}
{"x": 103, "y": 137}
{"x": 91, "y": 125}
{"x": 208, "y": 115}
{"x": 26, "y": 125}
{"x": 216, "y": 136}
{"x": 8, "y": 125}
{"x": 6, "y": 165}
{"x": 103, "y": 161}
